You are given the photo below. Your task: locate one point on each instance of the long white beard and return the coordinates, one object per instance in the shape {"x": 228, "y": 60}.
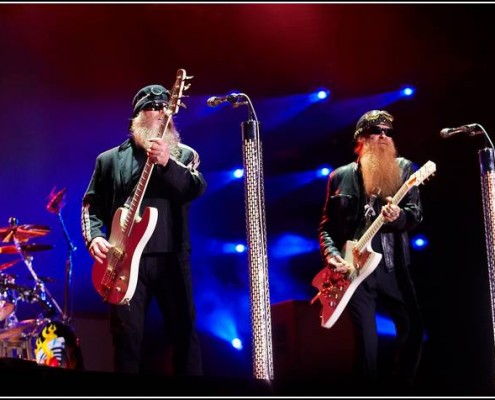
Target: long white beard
{"x": 381, "y": 173}
{"x": 142, "y": 135}
{"x": 142, "y": 132}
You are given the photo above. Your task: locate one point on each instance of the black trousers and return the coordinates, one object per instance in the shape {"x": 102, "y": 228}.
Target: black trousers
{"x": 393, "y": 293}
{"x": 166, "y": 277}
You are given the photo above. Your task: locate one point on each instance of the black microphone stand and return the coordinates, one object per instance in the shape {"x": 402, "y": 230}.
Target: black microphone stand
{"x": 68, "y": 271}
{"x": 55, "y": 207}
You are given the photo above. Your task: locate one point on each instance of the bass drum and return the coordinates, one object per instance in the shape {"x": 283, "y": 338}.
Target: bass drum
{"x": 56, "y": 345}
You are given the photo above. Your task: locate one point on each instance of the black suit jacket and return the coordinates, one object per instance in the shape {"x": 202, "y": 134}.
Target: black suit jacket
{"x": 170, "y": 189}
{"x": 343, "y": 214}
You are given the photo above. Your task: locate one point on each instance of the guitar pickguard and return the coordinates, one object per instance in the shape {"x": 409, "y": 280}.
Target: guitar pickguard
{"x": 335, "y": 289}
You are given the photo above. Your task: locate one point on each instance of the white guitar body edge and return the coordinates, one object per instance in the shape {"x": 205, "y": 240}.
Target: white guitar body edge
{"x": 369, "y": 266}
{"x": 138, "y": 250}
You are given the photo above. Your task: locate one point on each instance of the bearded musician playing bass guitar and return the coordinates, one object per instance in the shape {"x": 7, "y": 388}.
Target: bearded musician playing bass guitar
{"x": 135, "y": 225}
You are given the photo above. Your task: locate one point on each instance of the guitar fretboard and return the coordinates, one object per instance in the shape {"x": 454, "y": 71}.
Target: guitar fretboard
{"x": 171, "y": 109}
{"x": 137, "y": 197}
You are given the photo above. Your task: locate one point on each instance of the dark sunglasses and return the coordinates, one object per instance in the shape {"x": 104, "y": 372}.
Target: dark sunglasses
{"x": 377, "y": 130}
{"x": 154, "y": 106}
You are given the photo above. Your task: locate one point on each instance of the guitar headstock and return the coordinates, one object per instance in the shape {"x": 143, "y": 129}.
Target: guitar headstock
{"x": 176, "y": 93}
{"x": 422, "y": 174}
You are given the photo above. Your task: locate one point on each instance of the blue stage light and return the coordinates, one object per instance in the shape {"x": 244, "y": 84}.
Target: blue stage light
{"x": 291, "y": 244}
{"x": 385, "y": 326}
{"x": 319, "y": 95}
{"x": 322, "y": 94}
{"x": 419, "y": 242}
{"x": 236, "y": 343}
{"x": 240, "y": 248}
{"x": 229, "y": 248}
{"x": 407, "y": 91}
{"x": 324, "y": 171}
{"x": 238, "y": 173}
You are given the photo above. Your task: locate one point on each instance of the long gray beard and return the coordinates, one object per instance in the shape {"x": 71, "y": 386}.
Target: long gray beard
{"x": 141, "y": 134}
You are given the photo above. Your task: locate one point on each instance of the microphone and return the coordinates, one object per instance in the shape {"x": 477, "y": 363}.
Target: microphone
{"x": 471, "y": 130}
{"x": 56, "y": 201}
{"x": 215, "y": 101}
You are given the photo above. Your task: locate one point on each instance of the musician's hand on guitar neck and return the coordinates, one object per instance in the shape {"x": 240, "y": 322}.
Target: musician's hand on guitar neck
{"x": 158, "y": 151}
{"x": 98, "y": 249}
{"x": 338, "y": 264}
{"x": 390, "y": 211}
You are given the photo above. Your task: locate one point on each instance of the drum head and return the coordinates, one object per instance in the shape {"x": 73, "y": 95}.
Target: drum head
{"x": 6, "y": 308}
{"x": 57, "y": 346}
{"x": 7, "y": 295}
{"x": 18, "y": 330}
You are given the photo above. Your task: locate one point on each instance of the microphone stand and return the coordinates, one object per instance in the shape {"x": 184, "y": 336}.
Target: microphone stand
{"x": 487, "y": 168}
{"x": 254, "y": 198}
{"x": 486, "y": 157}
{"x": 55, "y": 205}
{"x": 71, "y": 248}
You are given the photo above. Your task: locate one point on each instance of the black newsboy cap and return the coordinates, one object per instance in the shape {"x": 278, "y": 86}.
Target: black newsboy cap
{"x": 370, "y": 118}
{"x": 149, "y": 94}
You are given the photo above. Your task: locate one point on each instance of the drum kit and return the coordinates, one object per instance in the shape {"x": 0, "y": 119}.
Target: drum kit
{"x": 46, "y": 339}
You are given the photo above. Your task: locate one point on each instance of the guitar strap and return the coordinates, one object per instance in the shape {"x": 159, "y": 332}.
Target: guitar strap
{"x": 138, "y": 162}
{"x": 369, "y": 210}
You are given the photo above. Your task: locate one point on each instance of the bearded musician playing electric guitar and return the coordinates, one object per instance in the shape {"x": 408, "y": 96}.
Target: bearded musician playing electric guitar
{"x": 163, "y": 269}
{"x": 356, "y": 194}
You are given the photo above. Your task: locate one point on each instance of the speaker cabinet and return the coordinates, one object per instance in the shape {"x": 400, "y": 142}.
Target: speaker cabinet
{"x": 302, "y": 348}
{"x": 95, "y": 342}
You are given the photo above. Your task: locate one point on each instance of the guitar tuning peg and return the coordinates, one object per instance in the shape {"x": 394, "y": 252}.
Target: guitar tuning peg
{"x": 189, "y": 77}
{"x": 186, "y": 87}
{"x": 182, "y": 105}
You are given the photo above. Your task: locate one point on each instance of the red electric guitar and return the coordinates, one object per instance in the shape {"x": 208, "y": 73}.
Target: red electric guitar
{"x": 116, "y": 278}
{"x": 334, "y": 288}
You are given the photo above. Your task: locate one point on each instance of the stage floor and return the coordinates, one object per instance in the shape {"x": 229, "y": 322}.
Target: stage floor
{"x": 26, "y": 378}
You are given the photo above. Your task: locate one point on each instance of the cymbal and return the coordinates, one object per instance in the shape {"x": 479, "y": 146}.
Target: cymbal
{"x": 12, "y": 248}
{"x": 16, "y": 331}
{"x": 23, "y": 232}
{"x": 8, "y": 264}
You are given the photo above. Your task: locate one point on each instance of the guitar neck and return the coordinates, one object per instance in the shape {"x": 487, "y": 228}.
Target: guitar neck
{"x": 172, "y": 108}
{"x": 141, "y": 186}
{"x": 137, "y": 197}
{"x": 378, "y": 222}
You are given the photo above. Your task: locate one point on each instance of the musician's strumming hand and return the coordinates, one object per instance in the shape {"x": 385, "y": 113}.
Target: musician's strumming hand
{"x": 98, "y": 249}
{"x": 158, "y": 151}
{"x": 390, "y": 211}
{"x": 338, "y": 264}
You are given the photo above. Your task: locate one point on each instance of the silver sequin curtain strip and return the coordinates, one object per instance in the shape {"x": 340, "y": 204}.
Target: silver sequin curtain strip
{"x": 487, "y": 167}
{"x": 257, "y": 252}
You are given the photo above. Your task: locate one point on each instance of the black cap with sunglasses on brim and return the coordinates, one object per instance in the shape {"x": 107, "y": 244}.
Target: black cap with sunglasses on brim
{"x": 152, "y": 97}
{"x": 369, "y": 121}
